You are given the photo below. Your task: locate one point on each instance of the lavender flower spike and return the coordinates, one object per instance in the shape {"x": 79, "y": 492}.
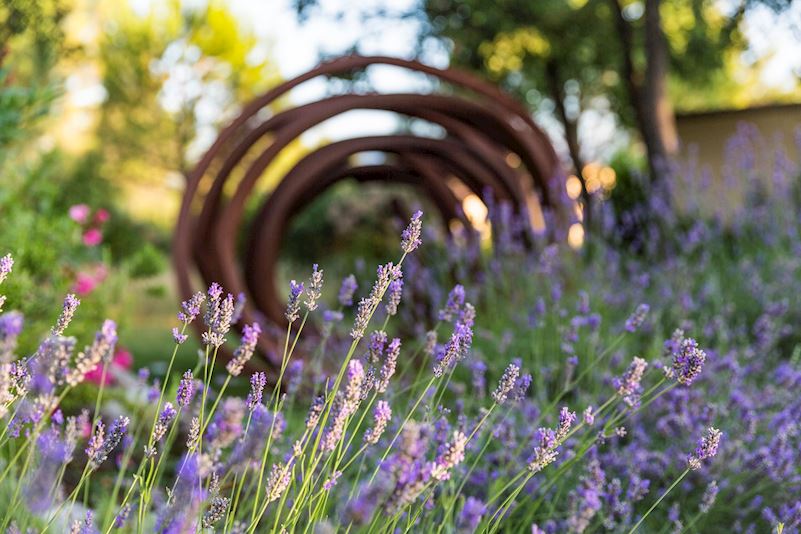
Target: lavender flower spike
{"x": 6, "y": 264}
{"x": 386, "y": 274}
{"x": 453, "y": 456}
{"x": 707, "y": 448}
{"x": 506, "y": 383}
{"x": 549, "y": 440}
{"x": 381, "y": 417}
{"x": 100, "y": 448}
{"x": 216, "y": 511}
{"x": 395, "y": 292}
{"x": 628, "y": 385}
{"x": 218, "y": 318}
{"x": 315, "y": 288}
{"x": 178, "y": 337}
{"x": 708, "y": 499}
{"x": 277, "y": 482}
{"x": 243, "y": 353}
{"x": 185, "y": 390}
{"x": 410, "y": 238}
{"x": 636, "y": 319}
{"x": 293, "y": 303}
{"x": 190, "y": 309}
{"x": 346, "y": 290}
{"x": 454, "y": 304}
{"x": 101, "y": 349}
{"x": 71, "y": 303}
{"x": 257, "y": 383}
{"x": 388, "y": 369}
{"x": 688, "y": 362}
{"x": 166, "y": 416}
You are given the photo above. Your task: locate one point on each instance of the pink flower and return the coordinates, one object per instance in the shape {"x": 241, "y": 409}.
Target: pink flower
{"x": 121, "y": 361}
{"x": 92, "y": 237}
{"x": 102, "y": 215}
{"x": 85, "y": 283}
{"x": 79, "y": 213}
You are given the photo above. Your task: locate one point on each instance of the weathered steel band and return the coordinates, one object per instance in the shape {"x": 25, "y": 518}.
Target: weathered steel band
{"x": 482, "y": 131}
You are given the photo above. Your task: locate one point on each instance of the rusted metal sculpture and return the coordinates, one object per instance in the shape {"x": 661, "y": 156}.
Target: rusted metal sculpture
{"x": 483, "y": 129}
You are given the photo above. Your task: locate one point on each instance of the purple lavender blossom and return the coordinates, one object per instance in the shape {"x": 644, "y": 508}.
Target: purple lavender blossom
{"x": 101, "y": 349}
{"x": 315, "y": 288}
{"x": 178, "y": 337}
{"x": 459, "y": 343}
{"x": 331, "y": 481}
{"x": 293, "y": 376}
{"x": 454, "y": 304}
{"x": 709, "y": 497}
{"x": 346, "y": 291}
{"x": 451, "y": 457}
{"x": 394, "y": 295}
{"x": 219, "y": 313}
{"x": 84, "y": 527}
{"x": 226, "y": 426}
{"x": 315, "y": 410}
{"x": 122, "y": 516}
{"x": 471, "y": 514}
{"x": 185, "y": 390}
{"x": 71, "y": 304}
{"x": 382, "y": 414}
{"x": 410, "y": 237}
{"x": 168, "y": 413}
{"x": 216, "y": 511}
{"x": 215, "y": 291}
{"x": 101, "y": 446}
{"x": 257, "y": 382}
{"x": 521, "y": 387}
{"x": 243, "y": 353}
{"x": 628, "y": 385}
{"x": 239, "y": 307}
{"x": 367, "y": 306}
{"x": 180, "y": 513}
{"x": 688, "y": 362}
{"x": 707, "y": 448}
{"x": 190, "y": 309}
{"x": 506, "y": 384}
{"x": 277, "y": 482}
{"x": 10, "y": 329}
{"x": 479, "y": 380}
{"x": 549, "y": 440}
{"x": 39, "y": 487}
{"x": 347, "y": 405}
{"x": 6, "y": 264}
{"x": 588, "y": 416}
{"x": 247, "y": 452}
{"x": 388, "y": 368}
{"x": 375, "y": 347}
{"x": 636, "y": 319}
{"x": 293, "y": 303}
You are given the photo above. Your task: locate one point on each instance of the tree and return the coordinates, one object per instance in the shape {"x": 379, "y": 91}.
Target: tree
{"x": 172, "y": 76}
{"x": 622, "y": 50}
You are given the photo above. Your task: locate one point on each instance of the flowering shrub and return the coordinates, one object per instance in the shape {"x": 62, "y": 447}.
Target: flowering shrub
{"x": 541, "y": 395}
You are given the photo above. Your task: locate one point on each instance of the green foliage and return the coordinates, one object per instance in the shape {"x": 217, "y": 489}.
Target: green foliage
{"x": 514, "y": 41}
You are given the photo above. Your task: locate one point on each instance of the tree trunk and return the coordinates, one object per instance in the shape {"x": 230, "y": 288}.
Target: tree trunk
{"x": 648, "y": 94}
{"x": 556, "y": 87}
{"x": 659, "y": 117}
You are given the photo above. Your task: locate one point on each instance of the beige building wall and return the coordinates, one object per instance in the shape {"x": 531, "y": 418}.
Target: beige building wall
{"x": 719, "y": 177}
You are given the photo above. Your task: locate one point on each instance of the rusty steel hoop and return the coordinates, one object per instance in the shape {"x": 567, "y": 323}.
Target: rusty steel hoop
{"x": 482, "y": 130}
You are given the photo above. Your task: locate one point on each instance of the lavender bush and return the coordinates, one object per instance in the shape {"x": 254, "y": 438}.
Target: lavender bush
{"x": 550, "y": 391}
